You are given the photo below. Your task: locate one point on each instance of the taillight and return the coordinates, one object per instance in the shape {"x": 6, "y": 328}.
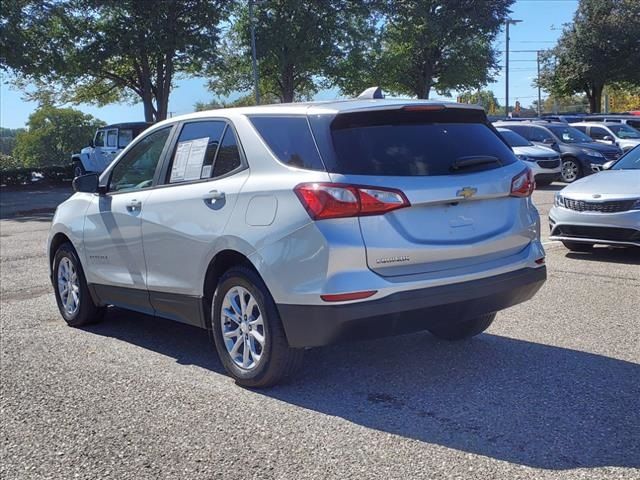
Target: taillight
{"x": 338, "y": 200}
{"x": 523, "y": 184}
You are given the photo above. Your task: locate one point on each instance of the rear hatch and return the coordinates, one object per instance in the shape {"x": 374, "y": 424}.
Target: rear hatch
{"x": 454, "y": 170}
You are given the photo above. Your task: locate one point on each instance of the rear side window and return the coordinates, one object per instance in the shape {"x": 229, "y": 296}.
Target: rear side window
{"x": 196, "y": 148}
{"x": 228, "y": 158}
{"x": 414, "y": 150}
{"x": 125, "y": 136}
{"x": 290, "y": 140}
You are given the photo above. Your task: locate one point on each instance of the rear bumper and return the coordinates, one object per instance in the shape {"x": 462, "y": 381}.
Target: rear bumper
{"x": 403, "y": 312}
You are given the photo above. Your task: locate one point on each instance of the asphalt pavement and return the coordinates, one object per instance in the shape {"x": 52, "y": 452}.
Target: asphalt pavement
{"x": 552, "y": 390}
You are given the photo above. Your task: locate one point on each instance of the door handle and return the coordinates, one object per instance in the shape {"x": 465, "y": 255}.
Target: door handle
{"x": 134, "y": 205}
{"x": 213, "y": 195}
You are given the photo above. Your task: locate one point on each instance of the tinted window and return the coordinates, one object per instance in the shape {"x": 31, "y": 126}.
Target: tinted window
{"x": 513, "y": 139}
{"x": 599, "y": 133}
{"x": 521, "y": 130}
{"x": 570, "y": 135}
{"x": 112, "y": 136}
{"x": 137, "y": 168}
{"x": 581, "y": 128}
{"x": 631, "y": 161}
{"x": 634, "y": 123}
{"x": 415, "y": 149}
{"x": 624, "y": 131}
{"x": 99, "y": 140}
{"x": 538, "y": 134}
{"x": 290, "y": 140}
{"x": 228, "y": 158}
{"x": 124, "y": 137}
{"x": 196, "y": 148}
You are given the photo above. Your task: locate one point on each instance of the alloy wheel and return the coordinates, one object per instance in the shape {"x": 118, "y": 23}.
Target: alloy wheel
{"x": 570, "y": 171}
{"x": 68, "y": 286}
{"x": 242, "y": 327}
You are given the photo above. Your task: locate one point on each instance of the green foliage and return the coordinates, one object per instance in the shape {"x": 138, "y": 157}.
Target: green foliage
{"x": 24, "y": 175}
{"x": 101, "y": 51}
{"x": 486, "y": 98}
{"x": 8, "y": 139}
{"x": 299, "y": 44}
{"x": 600, "y": 47}
{"x": 53, "y": 135}
{"x": 425, "y": 44}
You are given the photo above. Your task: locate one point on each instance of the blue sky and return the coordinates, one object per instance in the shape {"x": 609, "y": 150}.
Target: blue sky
{"x": 541, "y": 25}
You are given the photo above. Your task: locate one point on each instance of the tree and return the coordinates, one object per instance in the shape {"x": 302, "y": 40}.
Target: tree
{"x": 599, "y": 48}
{"x": 104, "y": 51}
{"x": 8, "y": 139}
{"x": 53, "y": 135}
{"x": 486, "y": 98}
{"x": 299, "y": 44}
{"x": 623, "y": 97}
{"x": 427, "y": 44}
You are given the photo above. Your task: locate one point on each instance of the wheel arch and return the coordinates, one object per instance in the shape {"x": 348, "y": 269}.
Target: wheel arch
{"x": 220, "y": 263}
{"x": 56, "y": 241}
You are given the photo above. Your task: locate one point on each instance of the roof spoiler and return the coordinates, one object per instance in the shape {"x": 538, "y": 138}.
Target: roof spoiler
{"x": 371, "y": 92}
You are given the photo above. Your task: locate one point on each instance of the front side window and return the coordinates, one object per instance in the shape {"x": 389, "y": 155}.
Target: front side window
{"x": 513, "y": 139}
{"x": 136, "y": 169}
{"x": 99, "y": 140}
{"x": 570, "y": 135}
{"x": 112, "y": 138}
{"x": 290, "y": 140}
{"x": 195, "y": 151}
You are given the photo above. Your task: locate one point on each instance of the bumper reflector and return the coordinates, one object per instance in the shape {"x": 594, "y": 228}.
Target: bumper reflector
{"x": 343, "y": 297}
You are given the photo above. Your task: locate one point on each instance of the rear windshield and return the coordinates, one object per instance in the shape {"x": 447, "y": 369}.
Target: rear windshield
{"x": 409, "y": 145}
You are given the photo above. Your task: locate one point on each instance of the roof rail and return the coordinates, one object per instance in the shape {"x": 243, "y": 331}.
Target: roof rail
{"x": 371, "y": 92}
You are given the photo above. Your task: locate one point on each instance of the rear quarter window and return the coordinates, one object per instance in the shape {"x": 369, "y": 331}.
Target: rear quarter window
{"x": 290, "y": 140}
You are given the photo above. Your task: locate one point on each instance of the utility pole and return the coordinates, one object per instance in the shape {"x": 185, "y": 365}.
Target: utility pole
{"x": 509, "y": 21}
{"x": 254, "y": 60}
{"x": 539, "y": 95}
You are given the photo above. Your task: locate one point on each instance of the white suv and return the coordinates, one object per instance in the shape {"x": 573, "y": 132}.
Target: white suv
{"x": 290, "y": 226}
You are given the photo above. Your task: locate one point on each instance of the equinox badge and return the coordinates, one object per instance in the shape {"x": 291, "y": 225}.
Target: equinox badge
{"x": 466, "y": 192}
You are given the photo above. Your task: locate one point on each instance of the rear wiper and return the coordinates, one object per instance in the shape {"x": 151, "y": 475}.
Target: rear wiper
{"x": 473, "y": 161}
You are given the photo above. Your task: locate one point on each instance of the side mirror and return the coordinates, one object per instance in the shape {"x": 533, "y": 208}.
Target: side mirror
{"x": 548, "y": 141}
{"x": 608, "y": 165}
{"x": 86, "y": 183}
{"x": 608, "y": 138}
{"x": 91, "y": 143}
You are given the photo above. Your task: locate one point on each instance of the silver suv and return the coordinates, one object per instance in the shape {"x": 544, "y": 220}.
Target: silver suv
{"x": 283, "y": 227}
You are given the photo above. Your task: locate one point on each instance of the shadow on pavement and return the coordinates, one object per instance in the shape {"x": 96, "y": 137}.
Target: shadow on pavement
{"x": 627, "y": 256}
{"x": 512, "y": 400}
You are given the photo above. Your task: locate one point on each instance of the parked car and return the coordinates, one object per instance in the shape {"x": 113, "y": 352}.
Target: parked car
{"x": 600, "y": 209}
{"x": 632, "y": 120}
{"x": 290, "y": 226}
{"x": 580, "y": 154}
{"x": 106, "y": 144}
{"x": 619, "y": 134}
{"x": 544, "y": 162}
{"x": 566, "y": 118}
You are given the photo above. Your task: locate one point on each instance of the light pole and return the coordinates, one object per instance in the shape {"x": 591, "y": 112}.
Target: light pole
{"x": 510, "y": 21}
{"x": 539, "y": 94}
{"x": 254, "y": 61}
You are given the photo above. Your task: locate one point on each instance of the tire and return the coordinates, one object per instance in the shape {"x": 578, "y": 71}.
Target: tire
{"x": 85, "y": 312}
{"x": 578, "y": 246}
{"x": 462, "y": 330}
{"x": 275, "y": 361}
{"x": 78, "y": 168}
{"x": 571, "y": 170}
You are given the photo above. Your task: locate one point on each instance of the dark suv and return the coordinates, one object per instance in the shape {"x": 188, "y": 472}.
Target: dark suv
{"x": 581, "y": 155}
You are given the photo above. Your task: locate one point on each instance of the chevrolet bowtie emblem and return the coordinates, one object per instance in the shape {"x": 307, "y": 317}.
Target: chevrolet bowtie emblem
{"x": 466, "y": 192}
